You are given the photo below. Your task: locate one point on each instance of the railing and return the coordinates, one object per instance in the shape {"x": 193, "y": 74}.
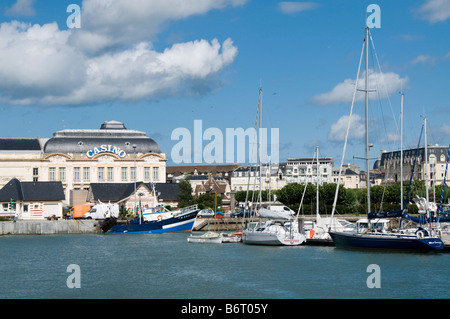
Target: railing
{"x": 192, "y": 207}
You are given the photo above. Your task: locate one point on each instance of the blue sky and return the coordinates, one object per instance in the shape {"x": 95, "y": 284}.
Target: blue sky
{"x": 160, "y": 65}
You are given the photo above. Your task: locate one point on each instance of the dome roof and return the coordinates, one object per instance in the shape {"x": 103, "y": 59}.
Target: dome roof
{"x": 112, "y": 137}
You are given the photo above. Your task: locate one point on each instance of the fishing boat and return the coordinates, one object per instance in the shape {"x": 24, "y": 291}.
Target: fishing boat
{"x": 373, "y": 237}
{"x": 276, "y": 225}
{"x": 153, "y": 220}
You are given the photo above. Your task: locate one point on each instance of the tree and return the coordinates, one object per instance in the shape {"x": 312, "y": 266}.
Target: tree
{"x": 208, "y": 201}
{"x": 185, "y": 194}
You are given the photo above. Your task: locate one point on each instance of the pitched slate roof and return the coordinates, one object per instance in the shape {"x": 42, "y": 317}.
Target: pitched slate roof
{"x": 115, "y": 192}
{"x": 20, "y": 144}
{"x": 32, "y": 191}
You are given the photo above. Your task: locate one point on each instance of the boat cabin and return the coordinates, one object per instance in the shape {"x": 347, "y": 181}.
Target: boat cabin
{"x": 375, "y": 225}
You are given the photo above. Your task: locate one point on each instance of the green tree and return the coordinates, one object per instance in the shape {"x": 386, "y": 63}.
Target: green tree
{"x": 208, "y": 201}
{"x": 185, "y": 194}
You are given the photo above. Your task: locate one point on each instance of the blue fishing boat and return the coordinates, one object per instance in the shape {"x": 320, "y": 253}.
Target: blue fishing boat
{"x": 373, "y": 236}
{"x": 153, "y": 220}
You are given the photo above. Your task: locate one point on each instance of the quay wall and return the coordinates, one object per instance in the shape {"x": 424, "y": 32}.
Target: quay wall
{"x": 48, "y": 227}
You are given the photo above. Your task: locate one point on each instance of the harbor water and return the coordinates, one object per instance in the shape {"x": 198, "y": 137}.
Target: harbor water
{"x": 166, "y": 266}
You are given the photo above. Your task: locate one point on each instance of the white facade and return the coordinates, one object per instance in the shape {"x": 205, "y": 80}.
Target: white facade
{"x": 80, "y": 157}
{"x": 304, "y": 171}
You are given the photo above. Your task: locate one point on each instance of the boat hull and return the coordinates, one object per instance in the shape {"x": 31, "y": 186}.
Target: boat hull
{"x": 271, "y": 239}
{"x": 382, "y": 241}
{"x": 183, "y": 222}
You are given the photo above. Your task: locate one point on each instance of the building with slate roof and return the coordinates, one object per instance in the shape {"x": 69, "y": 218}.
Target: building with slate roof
{"x": 124, "y": 194}
{"x": 31, "y": 200}
{"x": 79, "y": 157}
{"x": 20, "y": 158}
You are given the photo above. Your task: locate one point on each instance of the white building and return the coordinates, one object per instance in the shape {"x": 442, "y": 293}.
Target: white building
{"x": 79, "y": 157}
{"x": 273, "y": 177}
{"x": 304, "y": 170}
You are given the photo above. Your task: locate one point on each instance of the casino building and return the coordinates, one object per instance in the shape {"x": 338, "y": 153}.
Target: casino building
{"x": 79, "y": 157}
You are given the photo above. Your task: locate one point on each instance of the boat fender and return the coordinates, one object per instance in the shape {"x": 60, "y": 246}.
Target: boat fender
{"x": 160, "y": 217}
{"x": 420, "y": 234}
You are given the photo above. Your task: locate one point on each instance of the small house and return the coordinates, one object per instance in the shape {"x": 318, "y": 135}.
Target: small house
{"x": 31, "y": 200}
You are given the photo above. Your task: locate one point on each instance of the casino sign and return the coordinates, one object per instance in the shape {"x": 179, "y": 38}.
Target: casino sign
{"x": 106, "y": 149}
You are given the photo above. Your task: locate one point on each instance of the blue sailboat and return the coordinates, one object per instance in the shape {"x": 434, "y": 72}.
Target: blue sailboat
{"x": 373, "y": 237}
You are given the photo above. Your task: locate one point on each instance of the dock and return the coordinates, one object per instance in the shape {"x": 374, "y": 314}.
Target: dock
{"x": 48, "y": 227}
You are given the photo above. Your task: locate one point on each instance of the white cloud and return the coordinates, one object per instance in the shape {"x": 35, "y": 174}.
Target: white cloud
{"x": 424, "y": 58}
{"x": 385, "y": 85}
{"x": 131, "y": 21}
{"x": 290, "y": 7}
{"x": 48, "y": 66}
{"x": 21, "y": 8}
{"x": 434, "y": 11}
{"x": 338, "y": 130}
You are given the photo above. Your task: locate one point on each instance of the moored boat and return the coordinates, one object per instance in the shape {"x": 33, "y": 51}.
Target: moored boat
{"x": 206, "y": 238}
{"x": 155, "y": 220}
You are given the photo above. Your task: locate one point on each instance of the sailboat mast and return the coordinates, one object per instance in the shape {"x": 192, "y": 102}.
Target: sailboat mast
{"x": 317, "y": 188}
{"x": 367, "y": 120}
{"x": 401, "y": 153}
{"x": 259, "y": 147}
{"x": 426, "y": 166}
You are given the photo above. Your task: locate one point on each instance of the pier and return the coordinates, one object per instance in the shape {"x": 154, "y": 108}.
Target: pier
{"x": 48, "y": 227}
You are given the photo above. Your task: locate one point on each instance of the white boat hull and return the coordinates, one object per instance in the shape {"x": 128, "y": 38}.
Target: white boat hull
{"x": 271, "y": 234}
{"x": 207, "y": 238}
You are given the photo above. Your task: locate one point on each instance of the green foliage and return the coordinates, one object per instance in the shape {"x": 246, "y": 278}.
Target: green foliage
{"x": 208, "y": 201}
{"x": 185, "y": 195}
{"x": 349, "y": 201}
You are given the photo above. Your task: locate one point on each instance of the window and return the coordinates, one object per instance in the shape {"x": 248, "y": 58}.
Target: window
{"x": 155, "y": 173}
{"x": 35, "y": 171}
{"x": 133, "y": 173}
{"x": 86, "y": 174}
{"x": 146, "y": 173}
{"x": 76, "y": 174}
{"x": 5, "y": 207}
{"x": 124, "y": 174}
{"x": 101, "y": 173}
{"x": 25, "y": 208}
{"x": 52, "y": 173}
{"x": 62, "y": 174}
{"x": 110, "y": 173}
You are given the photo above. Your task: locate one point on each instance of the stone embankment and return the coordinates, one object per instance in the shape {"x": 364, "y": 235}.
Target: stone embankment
{"x": 48, "y": 227}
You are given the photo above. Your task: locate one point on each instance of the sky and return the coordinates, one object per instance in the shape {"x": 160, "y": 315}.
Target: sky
{"x": 160, "y": 66}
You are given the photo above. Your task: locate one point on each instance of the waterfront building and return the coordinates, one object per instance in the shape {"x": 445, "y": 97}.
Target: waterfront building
{"x": 272, "y": 177}
{"x": 304, "y": 170}
{"x": 79, "y": 157}
{"x": 20, "y": 158}
{"x": 389, "y": 164}
{"x": 178, "y": 172}
{"x": 350, "y": 176}
{"x": 139, "y": 194}
{"x": 31, "y": 200}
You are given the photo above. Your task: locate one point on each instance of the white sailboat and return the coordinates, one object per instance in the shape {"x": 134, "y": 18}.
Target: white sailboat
{"x": 373, "y": 238}
{"x": 318, "y": 234}
{"x": 280, "y": 228}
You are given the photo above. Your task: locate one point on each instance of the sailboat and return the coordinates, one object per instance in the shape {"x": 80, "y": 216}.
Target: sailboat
{"x": 318, "y": 234}
{"x": 280, "y": 227}
{"x": 376, "y": 238}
